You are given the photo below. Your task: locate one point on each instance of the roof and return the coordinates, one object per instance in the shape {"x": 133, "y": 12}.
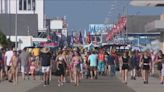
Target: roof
{"x": 150, "y": 3}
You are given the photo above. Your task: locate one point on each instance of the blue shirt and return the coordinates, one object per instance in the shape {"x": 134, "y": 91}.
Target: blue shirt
{"x": 110, "y": 60}
{"x": 93, "y": 59}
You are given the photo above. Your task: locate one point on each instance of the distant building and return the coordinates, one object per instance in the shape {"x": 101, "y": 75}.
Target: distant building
{"x": 156, "y": 25}
{"x": 24, "y": 7}
{"x": 136, "y": 32}
{"x": 30, "y": 20}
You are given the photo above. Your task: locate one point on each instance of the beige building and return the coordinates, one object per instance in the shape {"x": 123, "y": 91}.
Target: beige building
{"x": 156, "y": 25}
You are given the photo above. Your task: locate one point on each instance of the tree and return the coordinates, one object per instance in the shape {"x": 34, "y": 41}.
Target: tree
{"x": 4, "y": 42}
{"x": 2, "y": 38}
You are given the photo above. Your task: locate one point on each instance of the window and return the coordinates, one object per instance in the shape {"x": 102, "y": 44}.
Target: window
{"x": 33, "y": 4}
{"x": 29, "y": 4}
{"x": 25, "y": 5}
{"x": 20, "y": 4}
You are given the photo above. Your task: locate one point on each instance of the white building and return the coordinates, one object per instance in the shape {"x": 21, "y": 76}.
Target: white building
{"x": 156, "y": 25}
{"x": 24, "y": 7}
{"x": 59, "y": 25}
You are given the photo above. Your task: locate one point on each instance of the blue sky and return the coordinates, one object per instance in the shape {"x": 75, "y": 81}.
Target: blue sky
{"x": 81, "y": 13}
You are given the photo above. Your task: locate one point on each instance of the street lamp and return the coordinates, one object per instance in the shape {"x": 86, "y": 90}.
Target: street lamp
{"x": 16, "y": 29}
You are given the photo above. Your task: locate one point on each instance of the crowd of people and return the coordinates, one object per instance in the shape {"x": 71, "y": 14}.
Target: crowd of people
{"x": 74, "y": 64}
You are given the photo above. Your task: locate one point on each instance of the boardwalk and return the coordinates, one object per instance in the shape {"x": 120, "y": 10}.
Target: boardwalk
{"x": 103, "y": 84}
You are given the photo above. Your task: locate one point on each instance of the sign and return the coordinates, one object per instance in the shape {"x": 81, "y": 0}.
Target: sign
{"x": 56, "y": 24}
{"x": 99, "y": 28}
{"x": 48, "y": 44}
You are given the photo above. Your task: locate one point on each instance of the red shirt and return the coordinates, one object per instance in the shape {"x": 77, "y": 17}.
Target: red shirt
{"x": 101, "y": 57}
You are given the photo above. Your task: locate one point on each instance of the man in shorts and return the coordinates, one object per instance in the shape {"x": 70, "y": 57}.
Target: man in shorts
{"x": 24, "y": 58}
{"x": 93, "y": 59}
{"x": 8, "y": 56}
{"x": 45, "y": 58}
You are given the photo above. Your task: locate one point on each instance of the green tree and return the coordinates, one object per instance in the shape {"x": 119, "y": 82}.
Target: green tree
{"x": 4, "y": 42}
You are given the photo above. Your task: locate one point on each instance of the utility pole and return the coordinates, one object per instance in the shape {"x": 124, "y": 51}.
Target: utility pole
{"x": 16, "y": 29}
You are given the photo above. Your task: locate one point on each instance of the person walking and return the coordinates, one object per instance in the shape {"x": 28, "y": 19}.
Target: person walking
{"x": 159, "y": 64}
{"x": 70, "y": 72}
{"x": 153, "y": 57}
{"x": 36, "y": 55}
{"x": 125, "y": 66}
{"x": 101, "y": 62}
{"x": 61, "y": 66}
{"x": 111, "y": 64}
{"x": 93, "y": 59}
{"x": 145, "y": 62}
{"x": 14, "y": 68}
{"x": 45, "y": 58}
{"x": 161, "y": 61}
{"x": 134, "y": 64}
{"x": 24, "y": 60}
{"x": 8, "y": 56}
{"x": 76, "y": 61}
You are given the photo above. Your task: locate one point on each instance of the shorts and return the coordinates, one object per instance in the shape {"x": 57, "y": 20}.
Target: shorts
{"x": 45, "y": 69}
{"x": 146, "y": 67}
{"x": 60, "y": 72}
{"x": 125, "y": 66}
{"x": 93, "y": 67}
{"x": 22, "y": 69}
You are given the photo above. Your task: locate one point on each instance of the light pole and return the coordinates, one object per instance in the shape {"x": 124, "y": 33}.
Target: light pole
{"x": 16, "y": 29}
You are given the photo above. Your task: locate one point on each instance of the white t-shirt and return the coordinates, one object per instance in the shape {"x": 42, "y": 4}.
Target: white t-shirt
{"x": 8, "y": 56}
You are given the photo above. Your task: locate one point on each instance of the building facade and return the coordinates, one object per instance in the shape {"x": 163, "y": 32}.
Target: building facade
{"x": 24, "y": 7}
{"x": 156, "y": 25}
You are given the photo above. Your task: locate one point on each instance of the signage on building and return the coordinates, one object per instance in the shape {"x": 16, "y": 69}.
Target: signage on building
{"x": 99, "y": 28}
{"x": 49, "y": 44}
{"x": 56, "y": 24}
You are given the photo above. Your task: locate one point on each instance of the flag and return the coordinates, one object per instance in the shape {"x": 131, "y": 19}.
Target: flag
{"x": 72, "y": 39}
{"x": 89, "y": 38}
{"x": 84, "y": 37}
{"x": 85, "y": 34}
{"x": 80, "y": 38}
